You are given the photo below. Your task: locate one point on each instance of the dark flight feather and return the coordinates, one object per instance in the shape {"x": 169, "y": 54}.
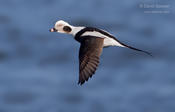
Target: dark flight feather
{"x": 89, "y": 54}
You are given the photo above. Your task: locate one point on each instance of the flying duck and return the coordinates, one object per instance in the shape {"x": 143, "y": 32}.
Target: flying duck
{"x": 92, "y": 41}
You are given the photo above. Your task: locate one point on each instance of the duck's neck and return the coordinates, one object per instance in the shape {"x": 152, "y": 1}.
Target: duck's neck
{"x": 75, "y": 30}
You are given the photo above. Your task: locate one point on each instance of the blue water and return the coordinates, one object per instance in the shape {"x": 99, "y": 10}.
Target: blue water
{"x": 39, "y": 69}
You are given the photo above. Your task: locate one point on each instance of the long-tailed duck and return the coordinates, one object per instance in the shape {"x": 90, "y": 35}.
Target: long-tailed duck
{"x": 92, "y": 42}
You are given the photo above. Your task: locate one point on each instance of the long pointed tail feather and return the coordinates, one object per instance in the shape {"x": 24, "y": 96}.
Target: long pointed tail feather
{"x": 148, "y": 53}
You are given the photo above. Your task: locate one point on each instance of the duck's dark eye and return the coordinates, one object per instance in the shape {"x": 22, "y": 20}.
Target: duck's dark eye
{"x": 67, "y": 29}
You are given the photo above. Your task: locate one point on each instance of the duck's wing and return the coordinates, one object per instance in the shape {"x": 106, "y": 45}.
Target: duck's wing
{"x": 89, "y": 54}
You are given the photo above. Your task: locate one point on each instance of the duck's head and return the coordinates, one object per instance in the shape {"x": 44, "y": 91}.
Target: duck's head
{"x": 62, "y": 27}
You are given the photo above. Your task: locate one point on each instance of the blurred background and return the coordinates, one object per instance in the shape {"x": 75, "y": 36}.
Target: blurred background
{"x": 39, "y": 69}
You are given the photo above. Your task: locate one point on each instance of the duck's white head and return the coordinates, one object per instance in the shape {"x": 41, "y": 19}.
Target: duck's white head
{"x": 64, "y": 27}
{"x": 61, "y": 27}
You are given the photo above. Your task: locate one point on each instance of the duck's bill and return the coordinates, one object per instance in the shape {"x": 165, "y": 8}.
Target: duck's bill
{"x": 53, "y": 30}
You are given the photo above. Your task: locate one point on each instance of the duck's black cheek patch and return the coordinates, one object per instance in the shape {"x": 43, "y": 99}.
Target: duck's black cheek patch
{"x": 67, "y": 29}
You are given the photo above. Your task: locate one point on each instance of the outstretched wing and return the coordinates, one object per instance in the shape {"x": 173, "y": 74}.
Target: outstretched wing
{"x": 89, "y": 54}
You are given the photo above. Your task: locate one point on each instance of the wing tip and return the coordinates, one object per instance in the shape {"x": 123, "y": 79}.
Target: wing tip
{"x": 81, "y": 82}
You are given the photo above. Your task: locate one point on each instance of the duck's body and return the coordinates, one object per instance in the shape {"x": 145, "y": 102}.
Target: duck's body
{"x": 92, "y": 42}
